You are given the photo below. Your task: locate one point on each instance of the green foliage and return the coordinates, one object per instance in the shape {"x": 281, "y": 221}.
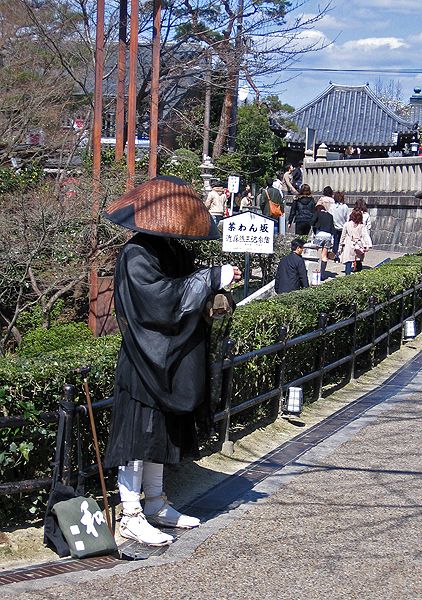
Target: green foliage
{"x": 257, "y": 147}
{"x": 275, "y": 104}
{"x": 107, "y": 160}
{"x": 33, "y": 317}
{"x": 40, "y": 340}
{"x": 211, "y": 253}
{"x": 22, "y": 180}
{"x": 184, "y": 163}
{"x": 30, "y": 385}
{"x": 258, "y": 324}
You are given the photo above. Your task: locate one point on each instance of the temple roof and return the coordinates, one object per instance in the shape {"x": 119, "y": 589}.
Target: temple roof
{"x": 348, "y": 115}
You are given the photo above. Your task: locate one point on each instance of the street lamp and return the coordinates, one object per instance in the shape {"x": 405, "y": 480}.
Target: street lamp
{"x": 294, "y": 401}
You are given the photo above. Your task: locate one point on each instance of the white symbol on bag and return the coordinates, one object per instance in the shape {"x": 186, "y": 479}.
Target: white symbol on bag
{"x": 89, "y": 519}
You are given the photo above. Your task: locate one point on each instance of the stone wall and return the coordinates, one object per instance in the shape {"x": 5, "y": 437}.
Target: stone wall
{"x": 396, "y": 222}
{"x": 398, "y": 175}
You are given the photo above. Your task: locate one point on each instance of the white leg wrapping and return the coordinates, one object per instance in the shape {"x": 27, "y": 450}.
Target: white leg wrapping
{"x": 134, "y": 524}
{"x": 157, "y": 508}
{"x": 129, "y": 480}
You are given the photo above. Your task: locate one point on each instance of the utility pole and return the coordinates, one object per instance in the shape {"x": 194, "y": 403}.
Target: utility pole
{"x": 121, "y": 82}
{"x": 155, "y": 96}
{"x": 238, "y": 54}
{"x": 133, "y": 70}
{"x": 96, "y": 165}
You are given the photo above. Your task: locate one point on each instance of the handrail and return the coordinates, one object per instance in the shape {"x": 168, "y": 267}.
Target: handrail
{"x": 227, "y": 367}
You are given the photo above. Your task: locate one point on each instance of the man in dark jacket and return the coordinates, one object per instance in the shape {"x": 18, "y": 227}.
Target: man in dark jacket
{"x": 291, "y": 272}
{"x": 161, "y": 379}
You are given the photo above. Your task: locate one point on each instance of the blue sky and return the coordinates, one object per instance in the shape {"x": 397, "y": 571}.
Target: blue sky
{"x": 365, "y": 34}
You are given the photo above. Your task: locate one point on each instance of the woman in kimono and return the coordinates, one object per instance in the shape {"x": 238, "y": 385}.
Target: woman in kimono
{"x": 161, "y": 381}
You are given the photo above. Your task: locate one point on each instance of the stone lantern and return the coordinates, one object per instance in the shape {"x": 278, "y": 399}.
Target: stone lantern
{"x": 207, "y": 169}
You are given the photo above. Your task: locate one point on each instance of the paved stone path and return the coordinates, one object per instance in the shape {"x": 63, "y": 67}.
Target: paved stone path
{"x": 343, "y": 521}
{"x": 372, "y": 258}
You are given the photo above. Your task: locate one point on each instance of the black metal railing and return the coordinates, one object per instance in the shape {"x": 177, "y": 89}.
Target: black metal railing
{"x": 225, "y": 372}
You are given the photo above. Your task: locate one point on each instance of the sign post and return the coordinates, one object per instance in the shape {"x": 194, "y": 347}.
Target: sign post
{"x": 249, "y": 233}
{"x": 233, "y": 187}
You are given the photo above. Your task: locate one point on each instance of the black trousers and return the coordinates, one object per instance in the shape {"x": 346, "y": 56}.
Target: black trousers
{"x": 302, "y": 228}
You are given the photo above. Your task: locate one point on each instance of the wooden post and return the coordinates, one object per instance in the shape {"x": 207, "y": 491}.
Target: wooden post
{"x": 96, "y": 167}
{"x": 131, "y": 112}
{"x": 155, "y": 86}
{"x": 121, "y": 82}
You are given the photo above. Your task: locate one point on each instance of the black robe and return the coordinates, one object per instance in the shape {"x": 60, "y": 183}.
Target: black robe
{"x": 161, "y": 375}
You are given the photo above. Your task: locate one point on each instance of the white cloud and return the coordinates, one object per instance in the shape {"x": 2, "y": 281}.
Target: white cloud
{"x": 374, "y": 43}
{"x": 397, "y": 6}
{"x": 329, "y": 21}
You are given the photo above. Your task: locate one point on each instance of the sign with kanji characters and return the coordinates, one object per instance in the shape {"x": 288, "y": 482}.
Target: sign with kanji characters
{"x": 233, "y": 184}
{"x": 248, "y": 232}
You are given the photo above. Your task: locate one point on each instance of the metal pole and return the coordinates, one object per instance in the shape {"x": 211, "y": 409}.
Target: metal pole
{"x": 322, "y": 324}
{"x": 374, "y": 330}
{"x": 131, "y": 112}
{"x": 121, "y": 82}
{"x": 226, "y": 392}
{"x": 277, "y": 403}
{"x": 155, "y": 88}
{"x": 246, "y": 276}
{"x": 354, "y": 339}
{"x": 96, "y": 166}
{"x": 68, "y": 407}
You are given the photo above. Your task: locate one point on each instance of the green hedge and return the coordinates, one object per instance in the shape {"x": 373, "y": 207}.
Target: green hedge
{"x": 59, "y": 336}
{"x": 30, "y": 385}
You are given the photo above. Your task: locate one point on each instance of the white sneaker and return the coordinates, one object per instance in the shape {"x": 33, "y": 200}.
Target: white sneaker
{"x": 166, "y": 515}
{"x": 136, "y": 527}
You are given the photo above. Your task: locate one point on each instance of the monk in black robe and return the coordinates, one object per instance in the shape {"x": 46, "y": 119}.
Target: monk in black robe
{"x": 161, "y": 379}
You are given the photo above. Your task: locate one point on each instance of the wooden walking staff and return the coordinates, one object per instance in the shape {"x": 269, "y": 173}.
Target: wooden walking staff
{"x": 84, "y": 372}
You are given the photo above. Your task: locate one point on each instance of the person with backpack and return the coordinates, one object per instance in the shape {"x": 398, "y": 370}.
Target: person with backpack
{"x": 302, "y": 211}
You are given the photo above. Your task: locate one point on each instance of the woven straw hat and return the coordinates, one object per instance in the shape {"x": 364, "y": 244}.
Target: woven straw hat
{"x": 164, "y": 206}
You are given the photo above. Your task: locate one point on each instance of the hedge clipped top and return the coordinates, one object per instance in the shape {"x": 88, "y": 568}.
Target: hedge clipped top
{"x": 258, "y": 324}
{"x": 35, "y": 383}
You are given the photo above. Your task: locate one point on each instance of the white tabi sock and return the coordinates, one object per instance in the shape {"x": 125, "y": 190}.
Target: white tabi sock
{"x": 129, "y": 481}
{"x": 157, "y": 508}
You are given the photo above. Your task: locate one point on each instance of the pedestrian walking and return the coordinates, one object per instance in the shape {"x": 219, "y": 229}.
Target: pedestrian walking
{"x": 216, "y": 201}
{"x": 247, "y": 201}
{"x": 278, "y": 182}
{"x": 297, "y": 176}
{"x": 340, "y": 212}
{"x": 291, "y": 272}
{"x": 360, "y": 204}
{"x": 302, "y": 211}
{"x": 287, "y": 182}
{"x": 160, "y": 385}
{"x": 271, "y": 201}
{"x": 354, "y": 241}
{"x": 326, "y": 199}
{"x": 323, "y": 225}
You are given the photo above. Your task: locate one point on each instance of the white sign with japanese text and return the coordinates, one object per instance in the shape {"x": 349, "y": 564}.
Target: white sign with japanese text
{"x": 233, "y": 184}
{"x": 248, "y": 232}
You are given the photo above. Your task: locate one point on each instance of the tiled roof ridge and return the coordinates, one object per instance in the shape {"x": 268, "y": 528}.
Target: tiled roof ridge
{"x": 352, "y": 88}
